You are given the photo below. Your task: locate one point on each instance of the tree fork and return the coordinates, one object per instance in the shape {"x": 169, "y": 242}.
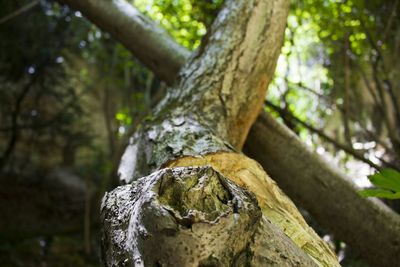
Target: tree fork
{"x": 204, "y": 119}
{"x": 313, "y": 167}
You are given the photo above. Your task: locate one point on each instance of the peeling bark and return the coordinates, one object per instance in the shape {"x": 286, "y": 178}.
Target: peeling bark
{"x": 275, "y": 205}
{"x": 180, "y": 141}
{"x": 226, "y": 78}
{"x": 209, "y": 111}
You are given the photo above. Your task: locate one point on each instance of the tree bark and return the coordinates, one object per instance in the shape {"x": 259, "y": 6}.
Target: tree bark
{"x": 191, "y": 216}
{"x": 303, "y": 171}
{"x": 314, "y": 163}
{"x": 194, "y": 192}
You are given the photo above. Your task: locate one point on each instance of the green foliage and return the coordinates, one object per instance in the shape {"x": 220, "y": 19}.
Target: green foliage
{"x": 185, "y": 20}
{"x": 336, "y": 61}
{"x": 387, "y": 184}
{"x": 123, "y": 117}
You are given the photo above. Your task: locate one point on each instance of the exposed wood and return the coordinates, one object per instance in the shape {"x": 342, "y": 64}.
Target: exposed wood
{"x": 275, "y": 205}
{"x": 201, "y": 115}
{"x": 312, "y": 166}
{"x": 191, "y": 216}
{"x": 226, "y": 79}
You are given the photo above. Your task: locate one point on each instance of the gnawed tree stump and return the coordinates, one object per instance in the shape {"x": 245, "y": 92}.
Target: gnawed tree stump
{"x": 197, "y": 133}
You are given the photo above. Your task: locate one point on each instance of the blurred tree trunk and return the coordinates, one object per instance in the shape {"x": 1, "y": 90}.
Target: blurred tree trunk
{"x": 367, "y": 225}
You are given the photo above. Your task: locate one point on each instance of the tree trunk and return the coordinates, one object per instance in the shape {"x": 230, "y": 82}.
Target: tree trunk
{"x": 191, "y": 216}
{"x": 193, "y": 207}
{"x": 314, "y": 167}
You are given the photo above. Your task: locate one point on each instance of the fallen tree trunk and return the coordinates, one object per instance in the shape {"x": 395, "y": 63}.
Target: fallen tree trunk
{"x": 368, "y": 226}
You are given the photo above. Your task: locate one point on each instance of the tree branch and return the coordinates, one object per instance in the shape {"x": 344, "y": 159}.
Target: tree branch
{"x": 357, "y": 224}
{"x": 147, "y": 41}
{"x": 14, "y": 122}
{"x": 346, "y": 148}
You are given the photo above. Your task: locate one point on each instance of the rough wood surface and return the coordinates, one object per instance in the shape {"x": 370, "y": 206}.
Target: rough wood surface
{"x": 217, "y": 97}
{"x": 305, "y": 168}
{"x": 275, "y": 205}
{"x": 191, "y": 216}
{"x": 227, "y": 78}
{"x": 182, "y": 141}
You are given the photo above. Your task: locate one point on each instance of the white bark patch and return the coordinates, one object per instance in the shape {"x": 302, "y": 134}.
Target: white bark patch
{"x": 127, "y": 165}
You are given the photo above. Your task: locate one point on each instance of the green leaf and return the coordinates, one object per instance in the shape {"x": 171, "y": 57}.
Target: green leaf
{"x": 382, "y": 193}
{"x": 387, "y": 184}
{"x": 387, "y": 179}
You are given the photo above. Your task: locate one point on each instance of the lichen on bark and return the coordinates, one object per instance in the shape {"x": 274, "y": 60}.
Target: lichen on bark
{"x": 198, "y": 131}
{"x": 191, "y": 216}
{"x": 172, "y": 135}
{"x": 179, "y": 217}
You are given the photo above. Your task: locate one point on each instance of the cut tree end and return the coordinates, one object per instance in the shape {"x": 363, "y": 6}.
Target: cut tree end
{"x": 275, "y": 205}
{"x": 191, "y": 216}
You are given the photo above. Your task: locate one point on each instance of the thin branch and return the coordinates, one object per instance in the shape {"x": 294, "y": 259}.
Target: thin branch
{"x": 346, "y": 98}
{"x": 301, "y": 85}
{"x": 380, "y": 58}
{"x": 19, "y": 11}
{"x": 388, "y": 84}
{"x": 52, "y": 120}
{"x": 14, "y": 122}
{"x": 390, "y": 20}
{"x": 367, "y": 84}
{"x": 47, "y": 123}
{"x": 343, "y": 147}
